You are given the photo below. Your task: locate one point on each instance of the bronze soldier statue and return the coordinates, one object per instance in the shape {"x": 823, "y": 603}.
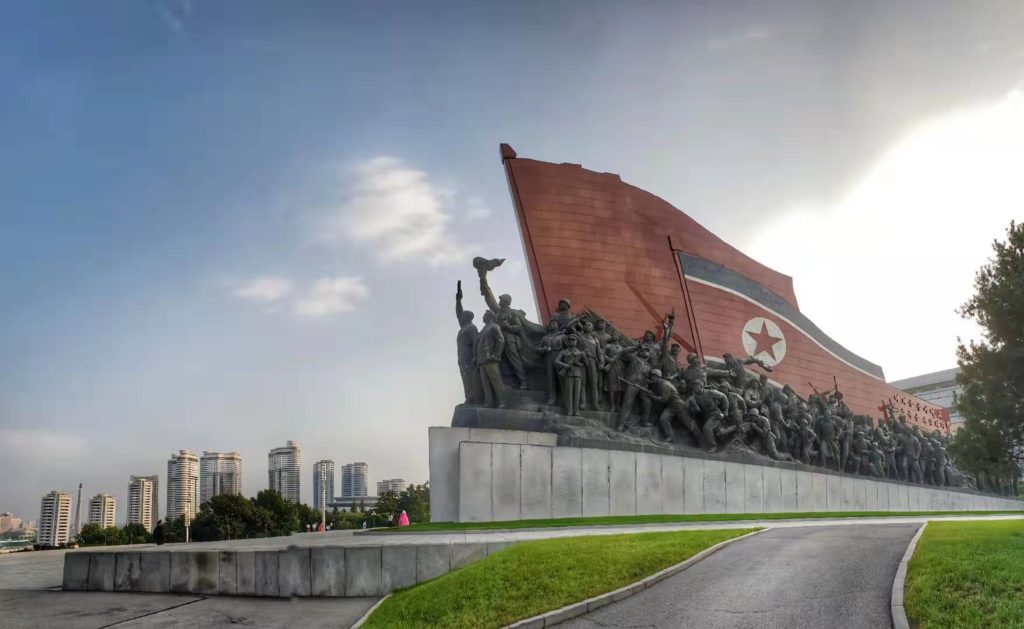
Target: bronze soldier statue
{"x": 570, "y": 363}
{"x": 550, "y": 346}
{"x": 489, "y": 345}
{"x": 464, "y": 342}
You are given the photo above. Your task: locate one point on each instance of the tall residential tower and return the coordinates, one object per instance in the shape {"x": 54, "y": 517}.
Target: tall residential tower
{"x": 219, "y": 473}
{"x": 54, "y": 519}
{"x": 182, "y": 485}
{"x": 283, "y": 470}
{"x": 144, "y": 501}
{"x": 353, "y": 480}
{"x": 323, "y": 483}
{"x": 102, "y": 508}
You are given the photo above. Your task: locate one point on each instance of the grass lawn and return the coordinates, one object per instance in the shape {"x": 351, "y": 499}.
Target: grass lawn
{"x": 530, "y": 578}
{"x": 967, "y": 574}
{"x": 662, "y": 519}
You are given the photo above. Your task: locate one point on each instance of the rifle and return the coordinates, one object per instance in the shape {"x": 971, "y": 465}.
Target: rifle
{"x": 633, "y": 384}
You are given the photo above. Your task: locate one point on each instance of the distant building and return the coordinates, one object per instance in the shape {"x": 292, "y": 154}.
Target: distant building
{"x": 342, "y": 503}
{"x": 143, "y": 501}
{"x": 182, "y": 485}
{"x": 219, "y": 473}
{"x": 396, "y": 485}
{"x": 323, "y": 483}
{"x": 939, "y": 388}
{"x": 54, "y": 519}
{"x": 283, "y": 470}
{"x": 353, "y": 480}
{"x": 102, "y": 508}
{"x": 8, "y": 522}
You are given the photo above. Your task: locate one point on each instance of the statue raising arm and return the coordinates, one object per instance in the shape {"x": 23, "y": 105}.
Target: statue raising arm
{"x": 666, "y": 327}
{"x": 458, "y": 303}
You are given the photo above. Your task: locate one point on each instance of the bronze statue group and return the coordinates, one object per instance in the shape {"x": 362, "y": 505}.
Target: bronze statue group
{"x": 582, "y": 362}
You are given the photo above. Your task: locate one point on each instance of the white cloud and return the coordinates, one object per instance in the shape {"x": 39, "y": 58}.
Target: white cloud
{"x": 264, "y": 289}
{"x": 331, "y": 296}
{"x": 884, "y": 269}
{"x": 397, "y": 211}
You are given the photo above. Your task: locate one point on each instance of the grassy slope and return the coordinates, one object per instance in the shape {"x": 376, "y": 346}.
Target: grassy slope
{"x": 968, "y": 574}
{"x": 533, "y": 577}
{"x": 661, "y": 519}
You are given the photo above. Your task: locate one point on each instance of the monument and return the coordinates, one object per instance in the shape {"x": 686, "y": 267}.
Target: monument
{"x": 580, "y": 415}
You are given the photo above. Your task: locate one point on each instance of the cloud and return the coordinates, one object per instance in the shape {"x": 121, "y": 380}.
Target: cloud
{"x": 331, "y": 296}
{"x": 174, "y": 13}
{"x": 264, "y": 289}
{"x": 397, "y": 211}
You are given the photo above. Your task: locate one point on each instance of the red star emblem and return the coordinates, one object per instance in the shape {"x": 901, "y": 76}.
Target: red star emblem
{"x": 765, "y": 341}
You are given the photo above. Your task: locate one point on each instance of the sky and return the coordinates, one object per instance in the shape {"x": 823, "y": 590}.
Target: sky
{"x": 230, "y": 224}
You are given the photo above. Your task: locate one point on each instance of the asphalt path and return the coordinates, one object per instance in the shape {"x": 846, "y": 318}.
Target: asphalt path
{"x": 836, "y": 576}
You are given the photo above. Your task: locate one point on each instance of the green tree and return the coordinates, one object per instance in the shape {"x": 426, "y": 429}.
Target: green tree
{"x": 415, "y": 501}
{"x": 230, "y": 516}
{"x": 990, "y": 445}
{"x": 135, "y": 534}
{"x": 308, "y": 515}
{"x": 387, "y": 504}
{"x": 283, "y": 515}
{"x": 92, "y": 535}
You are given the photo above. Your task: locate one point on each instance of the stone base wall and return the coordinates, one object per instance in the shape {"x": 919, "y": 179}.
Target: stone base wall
{"x": 483, "y": 475}
{"x": 318, "y": 571}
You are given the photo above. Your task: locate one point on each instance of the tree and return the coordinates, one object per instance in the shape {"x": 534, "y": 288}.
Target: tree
{"x": 387, "y": 504}
{"x": 230, "y": 516}
{"x": 94, "y": 535}
{"x": 990, "y": 445}
{"x": 308, "y": 515}
{"x": 135, "y": 534}
{"x": 283, "y": 515}
{"x": 415, "y": 501}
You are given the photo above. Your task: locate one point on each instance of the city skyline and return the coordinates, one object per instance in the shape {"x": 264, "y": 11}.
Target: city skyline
{"x": 233, "y": 290}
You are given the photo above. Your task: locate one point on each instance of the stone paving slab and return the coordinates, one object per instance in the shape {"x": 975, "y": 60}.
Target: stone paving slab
{"x": 94, "y": 610}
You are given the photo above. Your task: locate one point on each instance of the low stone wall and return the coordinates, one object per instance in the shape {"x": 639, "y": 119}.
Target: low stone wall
{"x": 485, "y": 475}
{"x": 329, "y": 571}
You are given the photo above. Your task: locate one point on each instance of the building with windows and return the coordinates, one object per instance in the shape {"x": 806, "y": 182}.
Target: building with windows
{"x": 102, "y": 508}
{"x": 396, "y": 485}
{"x": 323, "y": 483}
{"x": 54, "y": 519}
{"x": 182, "y": 485}
{"x": 8, "y": 522}
{"x": 144, "y": 500}
{"x": 219, "y": 473}
{"x": 353, "y": 480}
{"x": 940, "y": 388}
{"x": 283, "y": 466}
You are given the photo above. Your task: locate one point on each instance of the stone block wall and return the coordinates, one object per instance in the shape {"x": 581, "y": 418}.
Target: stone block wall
{"x": 494, "y": 475}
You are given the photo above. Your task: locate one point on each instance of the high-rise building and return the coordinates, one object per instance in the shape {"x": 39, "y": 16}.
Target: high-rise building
{"x": 353, "y": 480}
{"x": 219, "y": 473}
{"x": 10, "y": 523}
{"x": 323, "y": 483}
{"x": 54, "y": 519}
{"x": 283, "y": 470}
{"x": 143, "y": 501}
{"x": 396, "y": 485}
{"x": 182, "y": 485}
{"x": 102, "y": 508}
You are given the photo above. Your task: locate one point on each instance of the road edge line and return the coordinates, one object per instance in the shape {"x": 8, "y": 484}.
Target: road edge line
{"x": 899, "y": 613}
{"x": 562, "y": 614}
{"x": 366, "y": 616}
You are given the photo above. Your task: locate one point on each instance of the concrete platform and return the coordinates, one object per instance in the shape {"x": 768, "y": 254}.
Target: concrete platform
{"x": 341, "y": 564}
{"x": 95, "y": 610}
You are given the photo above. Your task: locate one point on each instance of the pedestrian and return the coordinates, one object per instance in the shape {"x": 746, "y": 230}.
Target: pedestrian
{"x": 403, "y": 520}
{"x": 158, "y": 532}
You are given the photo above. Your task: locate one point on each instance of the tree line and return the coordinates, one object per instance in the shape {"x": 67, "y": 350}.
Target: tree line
{"x": 231, "y": 516}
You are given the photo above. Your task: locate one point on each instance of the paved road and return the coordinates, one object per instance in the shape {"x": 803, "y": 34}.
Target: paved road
{"x": 33, "y": 570}
{"x": 95, "y": 610}
{"x": 787, "y": 577}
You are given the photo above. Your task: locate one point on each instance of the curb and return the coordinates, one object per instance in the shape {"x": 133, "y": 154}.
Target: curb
{"x": 899, "y": 614}
{"x": 562, "y": 614}
{"x": 366, "y": 616}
